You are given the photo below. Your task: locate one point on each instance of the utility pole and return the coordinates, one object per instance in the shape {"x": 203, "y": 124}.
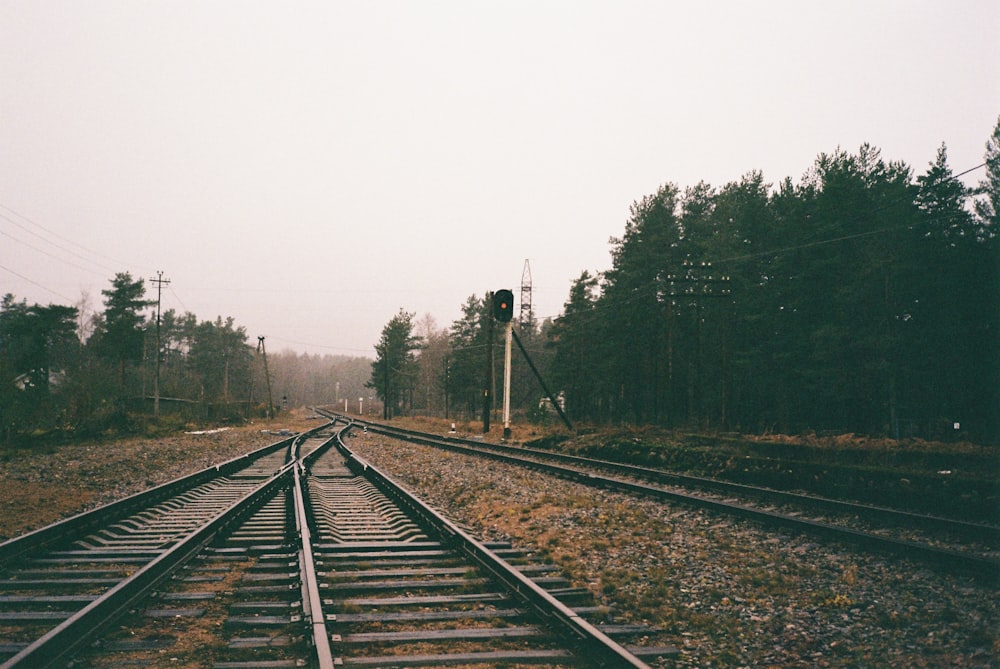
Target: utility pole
{"x": 385, "y": 378}
{"x": 159, "y": 281}
{"x": 249, "y": 408}
{"x": 267, "y": 376}
{"x": 488, "y": 381}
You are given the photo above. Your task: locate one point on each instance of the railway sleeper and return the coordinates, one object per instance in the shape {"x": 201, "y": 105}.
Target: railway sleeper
{"x": 555, "y": 657}
{"x": 368, "y": 548}
{"x": 263, "y": 621}
{"x": 465, "y": 634}
{"x": 580, "y": 597}
{"x": 174, "y": 613}
{"x": 266, "y": 606}
{"x": 40, "y": 617}
{"x": 102, "y": 554}
{"x": 43, "y": 600}
{"x": 138, "y": 645}
{"x": 256, "y": 642}
{"x": 408, "y": 585}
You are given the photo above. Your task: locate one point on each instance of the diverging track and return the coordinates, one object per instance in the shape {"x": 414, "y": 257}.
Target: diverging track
{"x": 63, "y": 583}
{"x": 298, "y": 555}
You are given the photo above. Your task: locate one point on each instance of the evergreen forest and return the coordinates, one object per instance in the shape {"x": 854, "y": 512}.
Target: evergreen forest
{"x": 69, "y": 376}
{"x": 864, "y": 299}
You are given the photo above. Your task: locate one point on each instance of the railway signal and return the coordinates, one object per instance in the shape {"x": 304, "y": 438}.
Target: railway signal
{"x": 503, "y": 311}
{"x": 503, "y": 305}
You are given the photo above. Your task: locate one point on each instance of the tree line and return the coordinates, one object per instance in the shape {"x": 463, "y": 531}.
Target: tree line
{"x": 861, "y": 299}
{"x": 64, "y": 372}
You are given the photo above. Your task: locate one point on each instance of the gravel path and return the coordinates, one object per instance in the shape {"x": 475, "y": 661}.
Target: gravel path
{"x": 727, "y": 593}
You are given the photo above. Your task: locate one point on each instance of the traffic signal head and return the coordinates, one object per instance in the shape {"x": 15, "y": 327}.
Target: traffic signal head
{"x": 503, "y": 305}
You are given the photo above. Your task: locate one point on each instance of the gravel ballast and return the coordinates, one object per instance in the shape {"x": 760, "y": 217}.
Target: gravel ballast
{"x": 727, "y": 593}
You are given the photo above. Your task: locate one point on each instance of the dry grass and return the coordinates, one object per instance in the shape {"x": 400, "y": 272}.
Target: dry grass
{"x": 726, "y": 593}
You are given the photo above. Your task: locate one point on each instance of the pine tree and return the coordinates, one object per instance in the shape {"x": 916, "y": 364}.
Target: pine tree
{"x": 394, "y": 369}
{"x": 119, "y": 334}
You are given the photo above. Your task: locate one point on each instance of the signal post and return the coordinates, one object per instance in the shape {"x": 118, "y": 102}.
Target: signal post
{"x": 503, "y": 311}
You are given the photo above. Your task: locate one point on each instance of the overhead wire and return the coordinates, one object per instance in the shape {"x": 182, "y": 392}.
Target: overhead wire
{"x": 739, "y": 258}
{"x": 8, "y": 215}
{"x": 323, "y": 346}
{"x": 60, "y": 237}
{"x": 177, "y": 297}
{"x": 35, "y": 283}
{"x": 859, "y": 235}
{"x": 46, "y": 253}
{"x": 802, "y": 246}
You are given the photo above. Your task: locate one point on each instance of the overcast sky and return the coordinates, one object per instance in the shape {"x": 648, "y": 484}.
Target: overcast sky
{"x": 309, "y": 168}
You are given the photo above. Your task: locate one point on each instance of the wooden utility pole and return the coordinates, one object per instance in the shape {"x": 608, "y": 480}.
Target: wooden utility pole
{"x": 488, "y": 381}
{"x": 267, "y": 377}
{"x": 385, "y": 378}
{"x": 159, "y": 281}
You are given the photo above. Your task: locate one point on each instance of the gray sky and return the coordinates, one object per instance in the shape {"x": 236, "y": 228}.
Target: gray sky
{"x": 308, "y": 168}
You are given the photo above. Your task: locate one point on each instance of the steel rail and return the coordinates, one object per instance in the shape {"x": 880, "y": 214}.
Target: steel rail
{"x": 955, "y": 561}
{"x": 586, "y": 637}
{"x": 980, "y": 531}
{"x": 312, "y": 600}
{"x": 60, "y": 643}
{"x": 13, "y": 549}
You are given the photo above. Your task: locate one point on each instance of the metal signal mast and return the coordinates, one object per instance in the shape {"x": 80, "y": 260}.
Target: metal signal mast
{"x": 525, "y": 317}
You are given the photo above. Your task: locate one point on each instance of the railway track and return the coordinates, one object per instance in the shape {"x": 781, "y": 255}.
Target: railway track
{"x": 947, "y": 544}
{"x": 301, "y": 555}
{"x": 61, "y": 583}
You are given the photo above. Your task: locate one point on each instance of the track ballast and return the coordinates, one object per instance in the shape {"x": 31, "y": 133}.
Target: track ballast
{"x": 303, "y": 556}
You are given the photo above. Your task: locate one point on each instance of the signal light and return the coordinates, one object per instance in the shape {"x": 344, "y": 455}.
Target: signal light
{"x": 503, "y": 305}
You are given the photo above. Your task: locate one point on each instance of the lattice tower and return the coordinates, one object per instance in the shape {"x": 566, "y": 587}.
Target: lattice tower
{"x": 525, "y": 319}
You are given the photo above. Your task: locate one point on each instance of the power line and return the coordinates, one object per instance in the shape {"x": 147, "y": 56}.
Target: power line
{"x": 971, "y": 169}
{"x": 44, "y": 252}
{"x": 58, "y": 236}
{"x": 324, "y": 346}
{"x": 843, "y": 238}
{"x": 179, "y": 300}
{"x": 32, "y": 281}
{"x": 821, "y": 242}
{"x": 597, "y": 307}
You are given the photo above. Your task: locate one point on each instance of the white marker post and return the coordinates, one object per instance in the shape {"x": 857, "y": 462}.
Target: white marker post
{"x": 508, "y": 338}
